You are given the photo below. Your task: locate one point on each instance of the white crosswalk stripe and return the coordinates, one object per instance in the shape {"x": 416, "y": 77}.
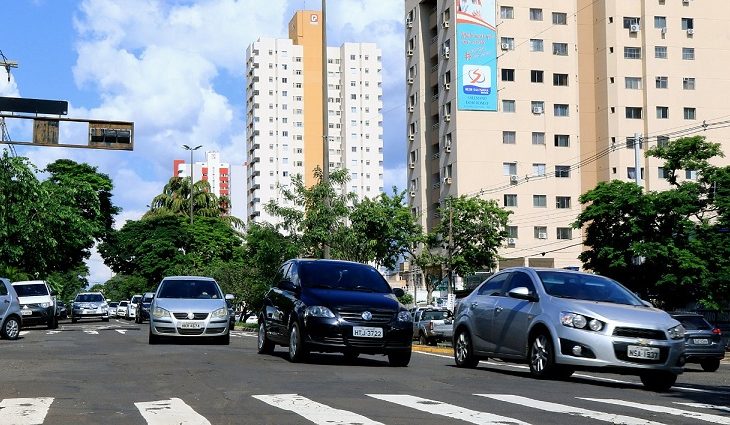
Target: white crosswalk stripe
{"x": 313, "y": 411}
{"x": 570, "y": 410}
{"x": 170, "y": 412}
{"x": 23, "y": 333}
{"x": 704, "y": 406}
{"x": 445, "y": 409}
{"x": 24, "y": 411}
{"x": 121, "y": 331}
{"x": 715, "y": 419}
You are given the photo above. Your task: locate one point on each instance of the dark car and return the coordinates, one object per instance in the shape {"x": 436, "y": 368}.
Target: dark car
{"x": 334, "y": 306}
{"x": 143, "y": 307}
{"x": 61, "y": 310}
{"x": 702, "y": 341}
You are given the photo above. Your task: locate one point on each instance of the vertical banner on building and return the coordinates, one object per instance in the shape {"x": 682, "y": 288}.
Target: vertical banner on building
{"x": 476, "y": 62}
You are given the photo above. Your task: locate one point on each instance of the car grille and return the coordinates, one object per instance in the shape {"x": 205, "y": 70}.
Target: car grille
{"x": 214, "y": 330}
{"x": 165, "y": 330}
{"x": 190, "y": 331}
{"x": 640, "y": 333}
{"x": 196, "y": 316}
{"x": 354, "y": 315}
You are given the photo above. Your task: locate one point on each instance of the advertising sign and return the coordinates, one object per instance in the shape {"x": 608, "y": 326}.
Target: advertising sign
{"x": 476, "y": 63}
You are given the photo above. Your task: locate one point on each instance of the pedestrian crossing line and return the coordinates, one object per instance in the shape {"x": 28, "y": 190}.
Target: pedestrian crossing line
{"x": 170, "y": 412}
{"x": 570, "y": 410}
{"x": 91, "y": 332}
{"x": 121, "y": 331}
{"x": 704, "y": 406}
{"x": 22, "y": 333}
{"x": 24, "y": 411}
{"x": 716, "y": 419}
{"x": 449, "y": 410}
{"x": 315, "y": 412}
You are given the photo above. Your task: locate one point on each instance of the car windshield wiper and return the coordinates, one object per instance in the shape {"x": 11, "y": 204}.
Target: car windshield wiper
{"x": 322, "y": 285}
{"x": 363, "y": 288}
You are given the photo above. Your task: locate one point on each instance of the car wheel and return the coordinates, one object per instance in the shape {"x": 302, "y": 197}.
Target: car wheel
{"x": 422, "y": 339}
{"x": 399, "y": 358}
{"x": 52, "y": 322}
{"x": 297, "y": 347}
{"x": 464, "y": 351}
{"x": 264, "y": 345}
{"x": 351, "y": 356}
{"x": 433, "y": 342}
{"x": 225, "y": 339}
{"x": 74, "y": 320}
{"x": 104, "y": 319}
{"x": 658, "y": 381}
{"x": 542, "y": 357}
{"x": 10, "y": 329}
{"x": 710, "y": 365}
{"x": 154, "y": 339}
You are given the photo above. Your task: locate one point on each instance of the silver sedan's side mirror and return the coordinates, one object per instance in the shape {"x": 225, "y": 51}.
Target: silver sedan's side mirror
{"x": 230, "y": 297}
{"x": 522, "y": 293}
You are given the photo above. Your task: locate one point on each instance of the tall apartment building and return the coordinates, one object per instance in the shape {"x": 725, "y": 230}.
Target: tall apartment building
{"x": 284, "y": 123}
{"x": 533, "y": 102}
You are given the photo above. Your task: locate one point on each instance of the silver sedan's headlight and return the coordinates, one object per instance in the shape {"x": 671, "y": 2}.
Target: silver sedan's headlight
{"x": 404, "y": 316}
{"x": 579, "y": 321}
{"x": 160, "y": 312}
{"x": 319, "y": 311}
{"x": 676, "y": 332}
{"x": 221, "y": 313}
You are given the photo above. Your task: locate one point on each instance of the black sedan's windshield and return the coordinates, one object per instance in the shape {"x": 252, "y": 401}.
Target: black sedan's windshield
{"x": 343, "y": 276}
{"x": 190, "y": 289}
{"x": 586, "y": 287}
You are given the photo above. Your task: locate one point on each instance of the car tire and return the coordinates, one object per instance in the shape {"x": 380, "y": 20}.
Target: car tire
{"x": 74, "y": 320}
{"x": 351, "y": 356}
{"x": 11, "y": 328}
{"x": 52, "y": 322}
{"x": 422, "y": 339}
{"x": 399, "y": 358}
{"x": 154, "y": 339}
{"x": 464, "y": 350}
{"x": 265, "y": 346}
{"x": 225, "y": 339}
{"x": 297, "y": 347}
{"x": 710, "y": 365}
{"x": 433, "y": 342}
{"x": 658, "y": 381}
{"x": 541, "y": 357}
{"x": 104, "y": 319}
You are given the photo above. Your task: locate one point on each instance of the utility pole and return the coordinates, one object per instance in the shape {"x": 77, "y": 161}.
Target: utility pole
{"x": 7, "y": 64}
{"x": 325, "y": 112}
{"x": 450, "y": 289}
{"x": 637, "y": 158}
{"x": 192, "y": 169}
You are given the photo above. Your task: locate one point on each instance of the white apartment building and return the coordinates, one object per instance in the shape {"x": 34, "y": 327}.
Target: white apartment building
{"x": 284, "y": 129}
{"x": 533, "y": 102}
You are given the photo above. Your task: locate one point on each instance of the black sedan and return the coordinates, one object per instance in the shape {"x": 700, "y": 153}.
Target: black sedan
{"x": 143, "y": 307}
{"x": 334, "y": 306}
{"x": 702, "y": 341}
{"x": 61, "y": 310}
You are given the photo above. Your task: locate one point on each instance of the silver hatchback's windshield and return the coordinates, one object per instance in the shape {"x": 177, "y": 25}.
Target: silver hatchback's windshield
{"x": 89, "y": 298}
{"x": 189, "y": 289}
{"x": 586, "y": 287}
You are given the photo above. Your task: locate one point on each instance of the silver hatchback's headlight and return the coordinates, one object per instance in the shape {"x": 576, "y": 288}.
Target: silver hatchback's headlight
{"x": 221, "y": 313}
{"x": 676, "y": 332}
{"x": 404, "y": 316}
{"x": 159, "y": 313}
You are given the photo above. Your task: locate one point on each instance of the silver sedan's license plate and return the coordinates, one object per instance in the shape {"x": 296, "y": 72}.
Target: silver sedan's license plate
{"x": 190, "y": 325}
{"x": 637, "y": 352}
{"x": 701, "y": 341}
{"x": 365, "y": 332}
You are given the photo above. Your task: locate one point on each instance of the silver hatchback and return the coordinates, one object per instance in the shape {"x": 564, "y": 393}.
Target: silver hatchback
{"x": 189, "y": 306}
{"x": 10, "y": 317}
{"x": 559, "y": 321}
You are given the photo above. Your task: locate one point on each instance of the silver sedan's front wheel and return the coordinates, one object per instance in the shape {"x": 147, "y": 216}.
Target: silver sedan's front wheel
{"x": 542, "y": 360}
{"x": 464, "y": 351}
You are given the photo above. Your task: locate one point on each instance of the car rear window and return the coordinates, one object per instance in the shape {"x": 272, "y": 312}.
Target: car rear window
{"x": 694, "y": 323}
{"x": 89, "y": 298}
{"x": 342, "y": 276}
{"x": 122, "y": 304}
{"x": 588, "y": 287}
{"x": 31, "y": 290}
{"x": 436, "y": 315}
{"x": 189, "y": 289}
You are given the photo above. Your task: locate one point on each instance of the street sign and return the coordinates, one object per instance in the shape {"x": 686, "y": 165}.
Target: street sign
{"x": 45, "y": 132}
{"x": 112, "y": 135}
{"x": 33, "y": 106}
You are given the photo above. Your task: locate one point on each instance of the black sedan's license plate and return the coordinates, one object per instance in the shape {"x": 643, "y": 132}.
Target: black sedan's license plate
{"x": 366, "y": 332}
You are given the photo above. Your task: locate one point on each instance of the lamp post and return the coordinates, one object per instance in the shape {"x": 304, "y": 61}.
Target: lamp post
{"x": 188, "y": 148}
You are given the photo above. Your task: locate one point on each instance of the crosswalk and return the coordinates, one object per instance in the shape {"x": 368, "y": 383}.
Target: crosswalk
{"x": 129, "y": 331}
{"x": 33, "y": 411}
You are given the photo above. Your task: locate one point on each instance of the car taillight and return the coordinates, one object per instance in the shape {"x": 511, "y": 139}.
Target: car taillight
{"x": 717, "y": 331}
{"x": 430, "y": 325}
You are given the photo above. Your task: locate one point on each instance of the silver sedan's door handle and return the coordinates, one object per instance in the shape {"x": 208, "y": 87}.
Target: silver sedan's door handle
{"x": 474, "y": 305}
{"x": 498, "y": 309}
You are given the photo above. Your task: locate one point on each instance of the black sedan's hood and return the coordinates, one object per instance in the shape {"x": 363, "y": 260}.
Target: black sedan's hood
{"x": 335, "y": 299}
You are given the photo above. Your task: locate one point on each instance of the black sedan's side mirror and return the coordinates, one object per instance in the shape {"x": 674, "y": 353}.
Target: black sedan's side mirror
{"x": 398, "y": 292}
{"x": 287, "y": 285}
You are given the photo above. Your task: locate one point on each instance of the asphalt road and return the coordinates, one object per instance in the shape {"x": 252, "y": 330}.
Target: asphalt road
{"x": 106, "y": 373}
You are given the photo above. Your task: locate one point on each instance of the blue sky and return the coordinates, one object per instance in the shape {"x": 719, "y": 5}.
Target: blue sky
{"x": 177, "y": 69}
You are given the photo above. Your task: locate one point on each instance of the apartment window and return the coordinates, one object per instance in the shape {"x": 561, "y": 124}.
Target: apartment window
{"x": 662, "y": 82}
{"x": 633, "y": 83}
{"x": 660, "y": 22}
{"x": 561, "y": 110}
{"x": 632, "y": 52}
{"x": 662, "y": 173}
{"x": 538, "y": 106}
{"x": 633, "y": 112}
{"x": 690, "y": 174}
{"x": 662, "y": 141}
{"x": 560, "y": 79}
{"x": 508, "y": 74}
{"x": 536, "y": 76}
{"x": 662, "y": 112}
{"x": 660, "y": 52}
{"x": 690, "y": 113}
{"x": 688, "y": 53}
{"x": 688, "y": 23}
{"x": 507, "y": 12}
{"x": 560, "y": 49}
{"x": 509, "y": 168}
{"x": 630, "y": 143}
{"x": 564, "y": 233}
{"x": 538, "y": 138}
{"x": 535, "y": 14}
{"x": 508, "y": 42}
{"x": 538, "y": 169}
{"x": 536, "y": 45}
{"x": 508, "y": 106}
{"x": 562, "y": 140}
{"x": 631, "y": 20}
{"x": 562, "y": 171}
{"x": 511, "y": 232}
{"x": 540, "y": 232}
{"x": 560, "y": 18}
{"x": 688, "y": 83}
{"x": 509, "y": 137}
{"x": 539, "y": 201}
{"x": 562, "y": 202}
{"x": 510, "y": 200}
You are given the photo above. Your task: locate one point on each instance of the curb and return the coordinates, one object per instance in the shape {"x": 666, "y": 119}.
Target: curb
{"x": 447, "y": 351}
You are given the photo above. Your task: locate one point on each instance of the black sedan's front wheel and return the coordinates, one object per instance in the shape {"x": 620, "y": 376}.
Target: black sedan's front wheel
{"x": 399, "y": 358}
{"x": 297, "y": 347}
{"x": 265, "y": 346}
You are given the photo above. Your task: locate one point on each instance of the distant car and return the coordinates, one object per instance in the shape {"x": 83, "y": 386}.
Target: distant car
{"x": 132, "y": 307}
{"x": 559, "y": 321}
{"x": 231, "y": 314}
{"x": 113, "y": 308}
{"x": 61, "y": 310}
{"x": 702, "y": 341}
{"x": 10, "y": 318}
{"x": 189, "y": 306}
{"x": 122, "y": 308}
{"x": 432, "y": 325}
{"x": 143, "y": 307}
{"x": 89, "y": 305}
{"x": 252, "y": 319}
{"x": 37, "y": 303}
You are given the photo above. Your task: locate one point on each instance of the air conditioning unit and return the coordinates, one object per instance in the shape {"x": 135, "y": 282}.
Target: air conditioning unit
{"x": 505, "y": 46}
{"x": 685, "y": 1}
{"x": 664, "y": 30}
{"x": 634, "y": 28}
{"x": 410, "y": 52}
{"x": 445, "y": 24}
{"x": 410, "y": 80}
{"x": 409, "y": 24}
{"x": 690, "y": 31}
{"x": 447, "y": 148}
{"x": 413, "y": 193}
{"x": 411, "y": 137}
{"x": 446, "y": 52}
{"x": 510, "y": 241}
{"x": 447, "y": 117}
{"x": 447, "y": 86}
{"x": 410, "y": 108}
{"x": 412, "y": 165}
{"x": 513, "y": 179}
{"x": 537, "y": 110}
{"x": 542, "y": 235}
{"x": 447, "y": 180}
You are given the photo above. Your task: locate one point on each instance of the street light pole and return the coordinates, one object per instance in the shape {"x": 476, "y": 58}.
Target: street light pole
{"x": 325, "y": 113}
{"x": 192, "y": 168}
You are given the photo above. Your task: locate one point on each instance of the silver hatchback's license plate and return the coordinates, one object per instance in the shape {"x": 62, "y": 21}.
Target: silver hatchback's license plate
{"x": 190, "y": 325}
{"x": 701, "y": 341}
{"x": 637, "y": 352}
{"x": 364, "y": 332}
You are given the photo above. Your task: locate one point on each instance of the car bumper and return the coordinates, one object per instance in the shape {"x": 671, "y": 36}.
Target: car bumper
{"x": 174, "y": 327}
{"x": 336, "y": 335}
{"x": 37, "y": 316}
{"x": 86, "y": 313}
{"x": 699, "y": 353}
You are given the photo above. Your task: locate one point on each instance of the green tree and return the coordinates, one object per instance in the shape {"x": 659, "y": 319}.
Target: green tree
{"x": 122, "y": 287}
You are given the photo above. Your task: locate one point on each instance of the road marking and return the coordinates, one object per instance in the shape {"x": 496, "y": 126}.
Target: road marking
{"x": 716, "y": 419}
{"x": 50, "y": 332}
{"x": 92, "y": 332}
{"x": 121, "y": 331}
{"x": 313, "y": 411}
{"x": 24, "y": 411}
{"x": 705, "y": 406}
{"x": 170, "y": 412}
{"x": 570, "y": 410}
{"x": 22, "y": 333}
{"x": 445, "y": 409}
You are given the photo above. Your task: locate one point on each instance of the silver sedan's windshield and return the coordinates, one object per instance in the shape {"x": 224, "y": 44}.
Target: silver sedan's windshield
{"x": 89, "y": 298}
{"x": 586, "y": 287}
{"x": 190, "y": 289}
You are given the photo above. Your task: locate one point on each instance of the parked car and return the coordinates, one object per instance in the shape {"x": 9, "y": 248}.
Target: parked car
{"x": 10, "y": 318}
{"x": 122, "y": 308}
{"x": 89, "y": 305}
{"x": 143, "y": 307}
{"x": 132, "y": 307}
{"x": 61, "y": 310}
{"x": 37, "y": 303}
{"x": 432, "y": 325}
{"x": 559, "y": 321}
{"x": 113, "y": 308}
{"x": 702, "y": 341}
{"x": 334, "y": 306}
{"x": 231, "y": 314}
{"x": 189, "y": 306}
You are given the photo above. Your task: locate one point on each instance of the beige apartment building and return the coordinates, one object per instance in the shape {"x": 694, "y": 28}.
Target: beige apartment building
{"x": 533, "y": 102}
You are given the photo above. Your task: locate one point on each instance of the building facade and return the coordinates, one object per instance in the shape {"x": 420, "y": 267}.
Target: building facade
{"x": 285, "y": 123}
{"x": 532, "y": 103}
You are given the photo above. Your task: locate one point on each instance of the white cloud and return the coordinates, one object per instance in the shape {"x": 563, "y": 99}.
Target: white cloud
{"x": 98, "y": 271}
{"x": 394, "y": 177}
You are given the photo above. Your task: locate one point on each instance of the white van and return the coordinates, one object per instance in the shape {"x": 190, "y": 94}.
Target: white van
{"x": 37, "y": 303}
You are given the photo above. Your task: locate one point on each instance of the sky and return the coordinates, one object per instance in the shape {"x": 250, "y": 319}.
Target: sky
{"x": 176, "y": 68}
